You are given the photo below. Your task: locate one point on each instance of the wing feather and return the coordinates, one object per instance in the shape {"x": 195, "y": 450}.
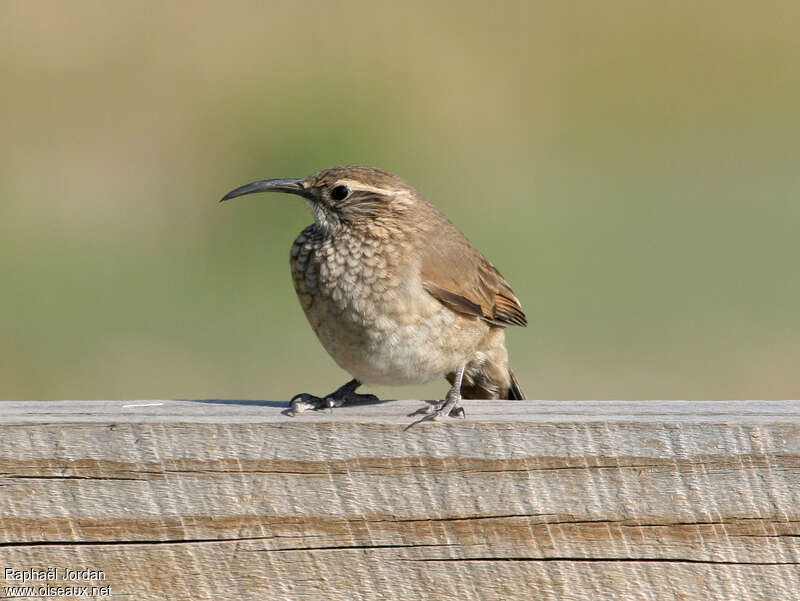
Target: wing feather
{"x": 461, "y": 278}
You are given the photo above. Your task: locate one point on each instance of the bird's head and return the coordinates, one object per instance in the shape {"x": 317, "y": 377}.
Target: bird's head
{"x": 342, "y": 196}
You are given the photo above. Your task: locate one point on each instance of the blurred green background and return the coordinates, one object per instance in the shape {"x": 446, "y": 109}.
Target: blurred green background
{"x": 632, "y": 169}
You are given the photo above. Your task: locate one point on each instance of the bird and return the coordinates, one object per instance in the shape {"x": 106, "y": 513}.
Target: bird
{"x": 395, "y": 292}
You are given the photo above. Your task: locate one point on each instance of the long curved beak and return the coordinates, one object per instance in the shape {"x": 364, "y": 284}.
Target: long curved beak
{"x": 290, "y": 185}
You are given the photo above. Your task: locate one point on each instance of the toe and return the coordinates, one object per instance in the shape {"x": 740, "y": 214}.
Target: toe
{"x": 458, "y": 411}
{"x": 302, "y": 402}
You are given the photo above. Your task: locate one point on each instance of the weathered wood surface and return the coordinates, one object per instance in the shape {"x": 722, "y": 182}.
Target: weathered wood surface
{"x": 575, "y": 501}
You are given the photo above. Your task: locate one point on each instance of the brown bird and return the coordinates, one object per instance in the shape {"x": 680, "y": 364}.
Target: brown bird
{"x": 395, "y": 292}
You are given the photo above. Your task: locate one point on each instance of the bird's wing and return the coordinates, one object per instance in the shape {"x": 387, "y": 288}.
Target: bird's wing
{"x": 461, "y": 278}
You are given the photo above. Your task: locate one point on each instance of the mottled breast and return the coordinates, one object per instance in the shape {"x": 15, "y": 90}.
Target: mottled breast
{"x": 364, "y": 299}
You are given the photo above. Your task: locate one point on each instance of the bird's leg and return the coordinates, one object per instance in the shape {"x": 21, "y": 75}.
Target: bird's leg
{"x": 344, "y": 395}
{"x": 449, "y": 406}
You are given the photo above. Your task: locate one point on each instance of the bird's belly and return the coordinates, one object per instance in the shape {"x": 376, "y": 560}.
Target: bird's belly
{"x": 394, "y": 340}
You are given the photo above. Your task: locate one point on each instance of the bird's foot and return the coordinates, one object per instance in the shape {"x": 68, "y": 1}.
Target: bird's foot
{"x": 438, "y": 409}
{"x": 344, "y": 395}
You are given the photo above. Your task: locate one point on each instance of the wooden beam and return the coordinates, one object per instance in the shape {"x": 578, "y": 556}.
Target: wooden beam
{"x": 215, "y": 499}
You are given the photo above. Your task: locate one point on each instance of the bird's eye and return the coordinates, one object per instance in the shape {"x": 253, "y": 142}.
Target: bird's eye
{"x": 340, "y": 193}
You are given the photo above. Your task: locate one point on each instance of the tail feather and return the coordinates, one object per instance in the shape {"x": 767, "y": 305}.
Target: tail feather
{"x": 515, "y": 392}
{"x": 479, "y": 384}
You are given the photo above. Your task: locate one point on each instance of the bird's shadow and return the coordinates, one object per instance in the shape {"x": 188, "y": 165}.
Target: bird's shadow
{"x": 284, "y": 404}
{"x": 240, "y": 402}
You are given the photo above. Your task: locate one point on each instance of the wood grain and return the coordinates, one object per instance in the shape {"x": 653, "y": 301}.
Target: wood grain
{"x": 217, "y": 499}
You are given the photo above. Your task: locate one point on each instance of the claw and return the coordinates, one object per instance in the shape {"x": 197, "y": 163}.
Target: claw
{"x": 438, "y": 409}
{"x": 303, "y": 402}
{"x": 432, "y": 405}
{"x": 342, "y": 396}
